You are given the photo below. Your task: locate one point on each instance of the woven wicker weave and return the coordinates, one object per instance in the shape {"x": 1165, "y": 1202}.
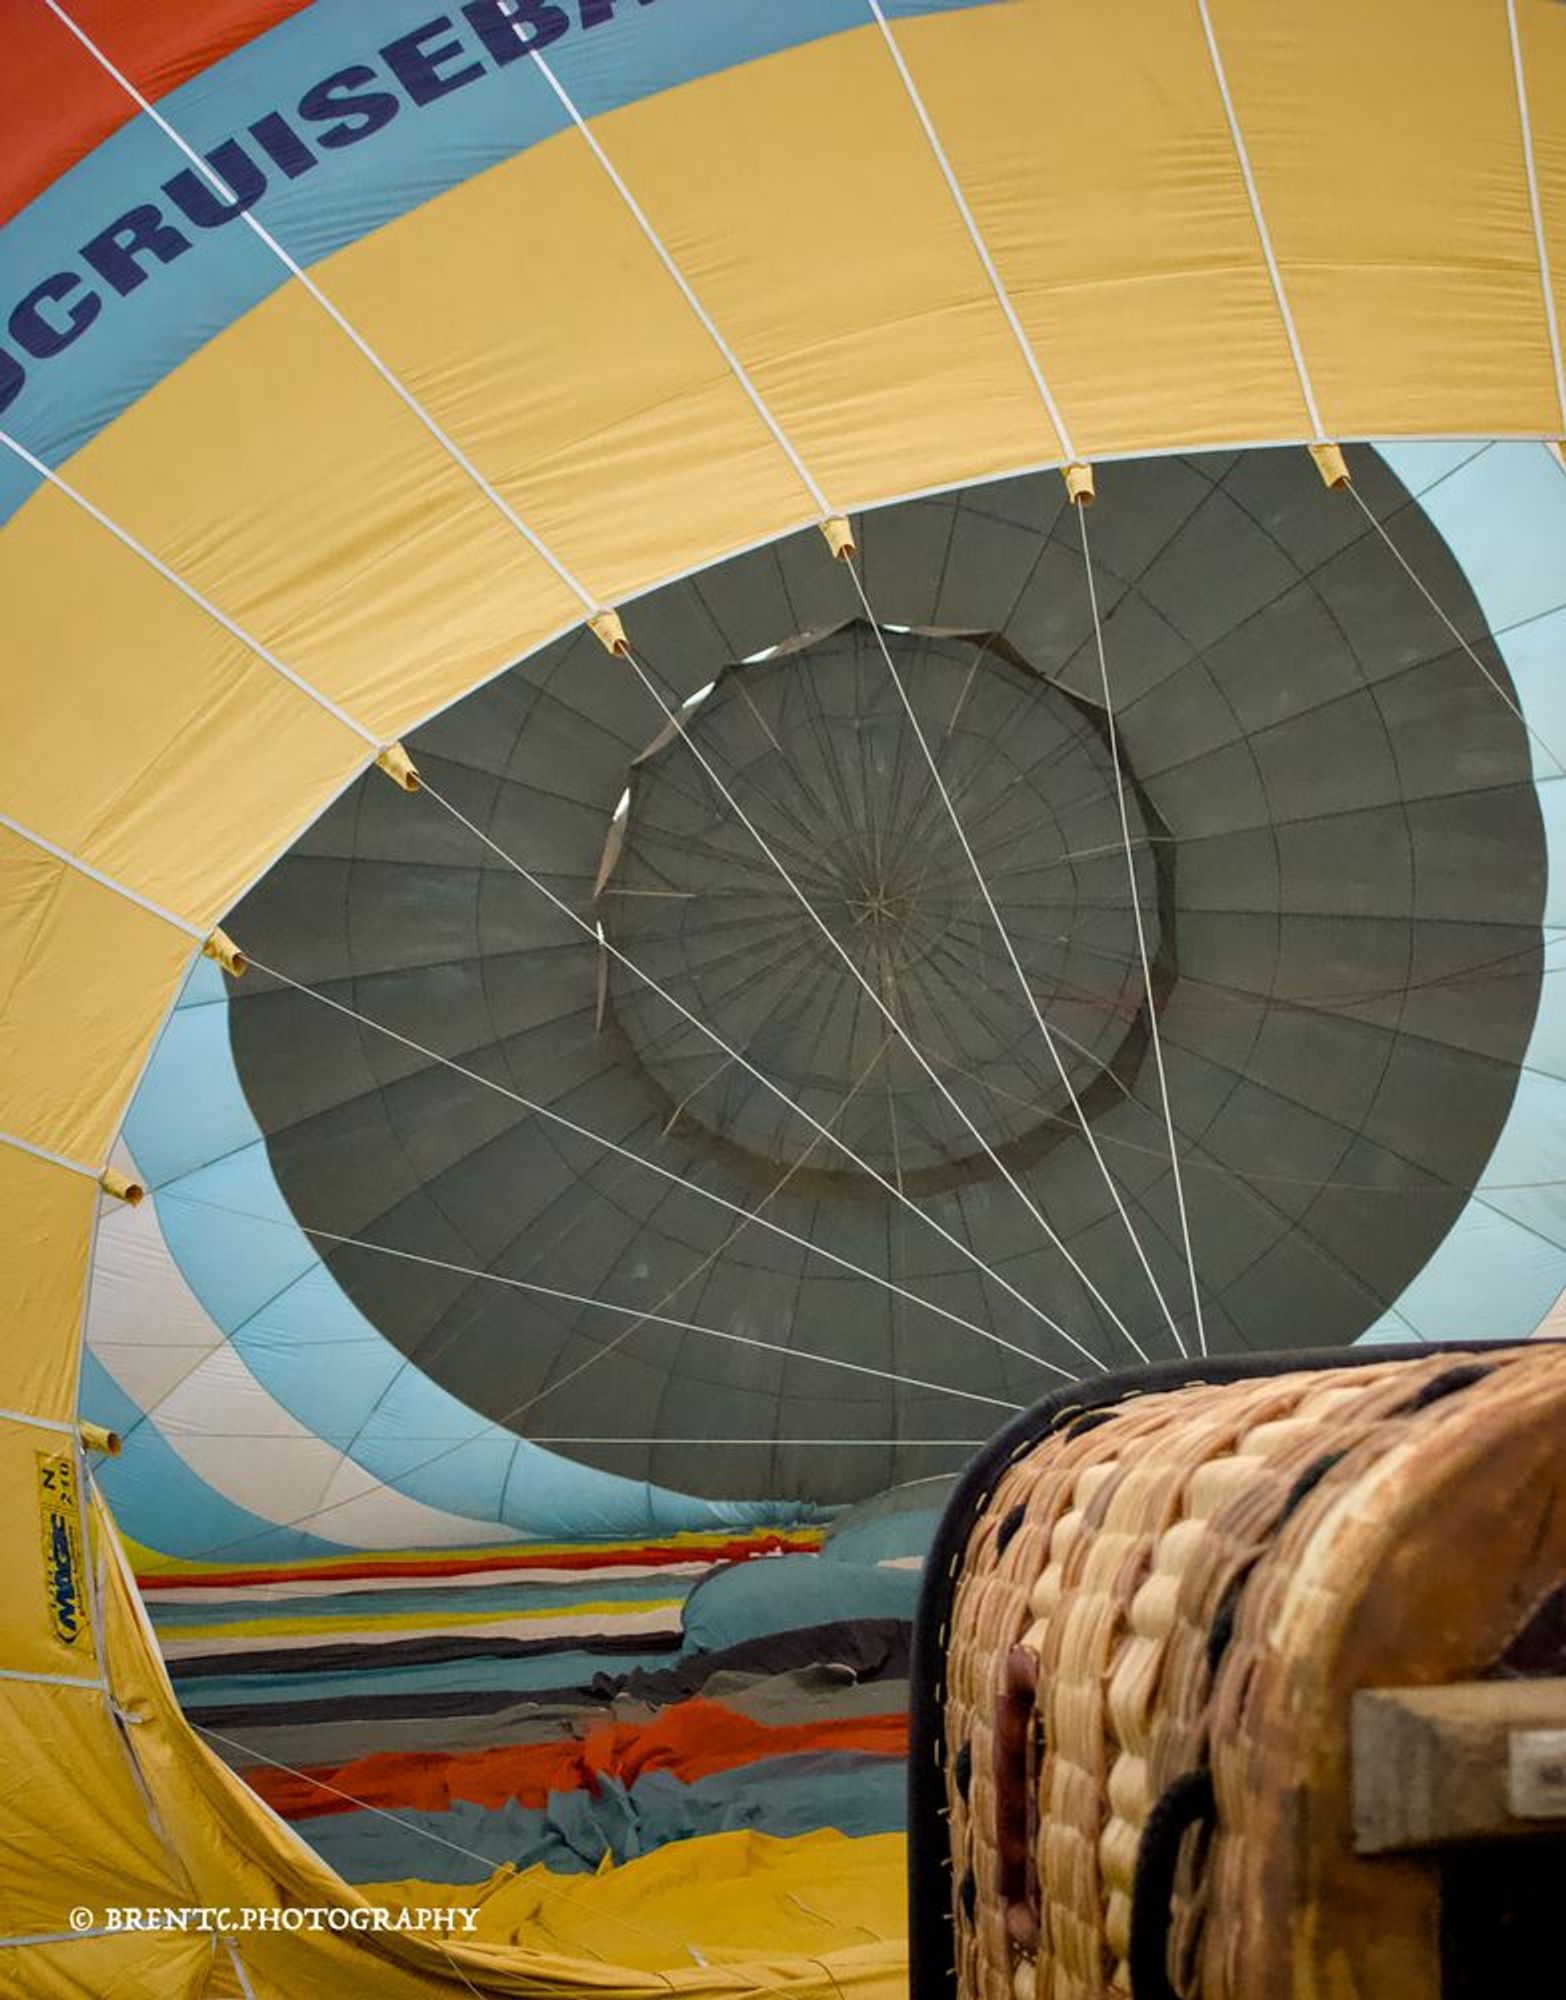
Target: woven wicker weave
{"x": 1191, "y": 1575}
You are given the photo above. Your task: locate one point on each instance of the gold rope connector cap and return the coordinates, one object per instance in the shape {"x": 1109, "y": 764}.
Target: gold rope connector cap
{"x": 221, "y": 946}
{"x": 1080, "y": 490}
{"x": 1332, "y": 466}
{"x": 1558, "y": 446}
{"x": 399, "y": 767}
{"x": 121, "y": 1186}
{"x": 95, "y": 1438}
{"x": 606, "y": 628}
{"x": 839, "y": 537}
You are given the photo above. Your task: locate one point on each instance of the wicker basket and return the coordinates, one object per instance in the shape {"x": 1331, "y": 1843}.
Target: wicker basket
{"x": 1136, "y": 1655}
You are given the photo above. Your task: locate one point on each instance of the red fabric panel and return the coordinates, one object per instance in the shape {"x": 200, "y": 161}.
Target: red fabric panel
{"x": 632, "y": 1555}
{"x": 693, "y": 1739}
{"x": 56, "y": 103}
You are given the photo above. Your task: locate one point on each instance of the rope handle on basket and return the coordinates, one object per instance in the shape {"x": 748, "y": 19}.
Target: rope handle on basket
{"x": 1188, "y": 1802}
{"x": 1016, "y": 1799}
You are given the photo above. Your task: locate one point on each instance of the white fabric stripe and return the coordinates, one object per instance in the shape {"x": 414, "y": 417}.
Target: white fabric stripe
{"x": 1254, "y": 194}
{"x": 1546, "y": 285}
{"x": 80, "y": 867}
{"x": 188, "y": 590}
{"x": 1037, "y": 1012}
{"x": 735, "y": 366}
{"x": 38, "y": 1423}
{"x": 146, "y": 1296}
{"x": 1154, "y": 1035}
{"x": 975, "y": 234}
{"x": 393, "y": 382}
{"x": 145, "y": 1326}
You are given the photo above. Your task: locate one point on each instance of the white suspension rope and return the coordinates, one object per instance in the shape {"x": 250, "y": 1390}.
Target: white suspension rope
{"x": 1535, "y": 209}
{"x": 1016, "y": 964}
{"x": 897, "y": 1028}
{"x": 641, "y": 1313}
{"x": 1155, "y": 1037}
{"x": 640, "y": 1160}
{"x": 1425, "y": 592}
{"x": 711, "y": 1034}
{"x": 393, "y": 381}
{"x": 975, "y": 234}
{"x": 1264, "y": 234}
{"x": 186, "y": 589}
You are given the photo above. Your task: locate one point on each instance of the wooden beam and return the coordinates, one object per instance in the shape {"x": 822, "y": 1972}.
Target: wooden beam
{"x": 1445, "y": 1766}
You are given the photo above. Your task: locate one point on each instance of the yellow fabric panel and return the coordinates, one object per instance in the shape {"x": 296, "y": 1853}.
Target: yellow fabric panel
{"x": 594, "y": 400}
{"x": 139, "y": 735}
{"x": 84, "y": 976}
{"x": 1386, "y": 146}
{"x": 306, "y": 501}
{"x": 876, "y": 339}
{"x": 731, "y": 1895}
{"x": 171, "y": 1966}
{"x": 236, "y": 1853}
{"x": 48, "y": 1215}
{"x": 1542, "y": 31}
{"x": 75, "y": 1831}
{"x": 1092, "y": 146}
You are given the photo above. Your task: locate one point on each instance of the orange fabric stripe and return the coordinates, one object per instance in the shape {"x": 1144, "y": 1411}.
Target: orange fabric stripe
{"x": 693, "y": 1739}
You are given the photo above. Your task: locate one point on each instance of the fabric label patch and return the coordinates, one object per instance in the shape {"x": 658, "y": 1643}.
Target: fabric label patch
{"x": 59, "y": 1524}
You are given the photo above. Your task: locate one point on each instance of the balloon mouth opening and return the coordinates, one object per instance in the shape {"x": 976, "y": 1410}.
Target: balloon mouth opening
{"x": 887, "y": 890}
